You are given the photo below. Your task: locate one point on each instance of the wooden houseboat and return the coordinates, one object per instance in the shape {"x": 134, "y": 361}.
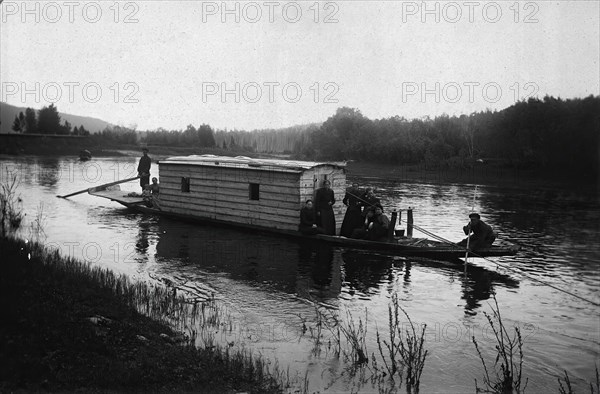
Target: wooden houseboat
{"x": 264, "y": 193}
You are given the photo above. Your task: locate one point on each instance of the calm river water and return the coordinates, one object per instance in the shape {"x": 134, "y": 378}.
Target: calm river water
{"x": 271, "y": 286}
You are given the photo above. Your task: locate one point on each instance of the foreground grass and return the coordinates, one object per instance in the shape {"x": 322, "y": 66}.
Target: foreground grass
{"x": 67, "y": 326}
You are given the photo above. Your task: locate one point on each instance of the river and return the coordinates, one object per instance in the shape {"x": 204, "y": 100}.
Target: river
{"x": 270, "y": 287}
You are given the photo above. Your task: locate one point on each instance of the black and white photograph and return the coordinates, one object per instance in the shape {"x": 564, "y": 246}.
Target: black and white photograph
{"x": 351, "y": 196}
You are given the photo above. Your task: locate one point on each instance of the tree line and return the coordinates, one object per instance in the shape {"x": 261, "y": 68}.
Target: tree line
{"x": 202, "y": 136}
{"x": 549, "y": 133}
{"x": 46, "y": 121}
{"x": 287, "y": 140}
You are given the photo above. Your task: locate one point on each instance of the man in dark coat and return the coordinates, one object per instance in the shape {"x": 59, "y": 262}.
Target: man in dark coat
{"x": 375, "y": 226}
{"x": 369, "y": 202}
{"x": 353, "y": 218}
{"x": 481, "y": 234}
{"x": 324, "y": 201}
{"x": 144, "y": 169}
{"x": 377, "y": 229}
{"x": 308, "y": 220}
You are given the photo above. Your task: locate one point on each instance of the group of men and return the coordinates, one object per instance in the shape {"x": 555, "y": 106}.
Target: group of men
{"x": 364, "y": 218}
{"x": 150, "y": 191}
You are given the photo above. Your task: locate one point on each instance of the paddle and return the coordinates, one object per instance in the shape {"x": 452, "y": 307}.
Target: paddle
{"x": 96, "y": 188}
{"x": 469, "y": 235}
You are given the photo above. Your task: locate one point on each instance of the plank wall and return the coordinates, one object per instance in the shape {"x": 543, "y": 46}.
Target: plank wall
{"x": 222, "y": 193}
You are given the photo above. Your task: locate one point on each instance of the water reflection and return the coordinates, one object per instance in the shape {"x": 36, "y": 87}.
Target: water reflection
{"x": 319, "y": 271}
{"x": 311, "y": 270}
{"x": 479, "y": 285}
{"x": 142, "y": 243}
{"x": 51, "y": 172}
{"x": 365, "y": 272}
{"x": 258, "y": 259}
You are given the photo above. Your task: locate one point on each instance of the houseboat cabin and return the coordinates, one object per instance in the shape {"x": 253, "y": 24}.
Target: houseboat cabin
{"x": 264, "y": 193}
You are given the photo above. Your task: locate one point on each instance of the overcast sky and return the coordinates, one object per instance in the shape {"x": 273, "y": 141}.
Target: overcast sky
{"x": 266, "y": 64}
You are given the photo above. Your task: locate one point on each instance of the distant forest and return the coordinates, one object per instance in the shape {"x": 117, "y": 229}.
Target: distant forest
{"x": 549, "y": 134}
{"x": 46, "y": 121}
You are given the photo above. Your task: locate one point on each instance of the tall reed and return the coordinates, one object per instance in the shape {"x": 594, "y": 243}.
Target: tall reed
{"x": 11, "y": 209}
{"x": 355, "y": 335}
{"x": 404, "y": 349}
{"x": 568, "y": 389}
{"x": 506, "y": 378}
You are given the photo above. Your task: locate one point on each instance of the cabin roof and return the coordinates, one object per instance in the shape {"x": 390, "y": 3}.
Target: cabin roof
{"x": 244, "y": 162}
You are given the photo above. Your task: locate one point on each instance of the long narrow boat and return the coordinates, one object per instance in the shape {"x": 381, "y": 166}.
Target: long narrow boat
{"x": 402, "y": 246}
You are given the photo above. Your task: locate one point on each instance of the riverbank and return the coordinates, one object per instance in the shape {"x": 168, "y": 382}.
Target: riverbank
{"x": 56, "y": 145}
{"x": 69, "y": 327}
{"x": 481, "y": 173}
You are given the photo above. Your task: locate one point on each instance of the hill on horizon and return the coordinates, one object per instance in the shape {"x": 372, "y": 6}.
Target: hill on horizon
{"x": 8, "y": 113}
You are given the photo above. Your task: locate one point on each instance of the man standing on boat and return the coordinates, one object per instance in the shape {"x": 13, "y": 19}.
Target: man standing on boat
{"x": 353, "y": 218}
{"x": 144, "y": 169}
{"x": 324, "y": 201}
{"x": 480, "y": 234}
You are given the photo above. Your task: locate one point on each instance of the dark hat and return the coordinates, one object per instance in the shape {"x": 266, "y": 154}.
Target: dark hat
{"x": 474, "y": 215}
{"x": 378, "y": 206}
{"x": 144, "y": 149}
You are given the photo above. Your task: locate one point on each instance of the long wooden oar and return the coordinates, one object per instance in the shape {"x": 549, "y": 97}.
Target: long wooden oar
{"x": 469, "y": 235}
{"x": 96, "y": 188}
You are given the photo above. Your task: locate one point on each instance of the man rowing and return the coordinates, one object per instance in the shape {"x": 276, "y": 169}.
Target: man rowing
{"x": 480, "y": 235}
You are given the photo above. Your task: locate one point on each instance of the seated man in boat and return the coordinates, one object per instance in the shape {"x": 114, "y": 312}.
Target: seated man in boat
{"x": 147, "y": 196}
{"x": 369, "y": 202}
{"x": 308, "y": 220}
{"x": 376, "y": 226}
{"x": 480, "y": 234}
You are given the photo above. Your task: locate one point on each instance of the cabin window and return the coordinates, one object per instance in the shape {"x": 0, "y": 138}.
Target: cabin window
{"x": 254, "y": 191}
{"x": 185, "y": 184}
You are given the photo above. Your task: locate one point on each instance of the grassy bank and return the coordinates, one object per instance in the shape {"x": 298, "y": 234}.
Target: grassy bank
{"x": 68, "y": 326}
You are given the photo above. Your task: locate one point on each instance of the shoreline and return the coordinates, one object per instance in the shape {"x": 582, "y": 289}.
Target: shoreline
{"x": 71, "y": 327}
{"x": 489, "y": 174}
